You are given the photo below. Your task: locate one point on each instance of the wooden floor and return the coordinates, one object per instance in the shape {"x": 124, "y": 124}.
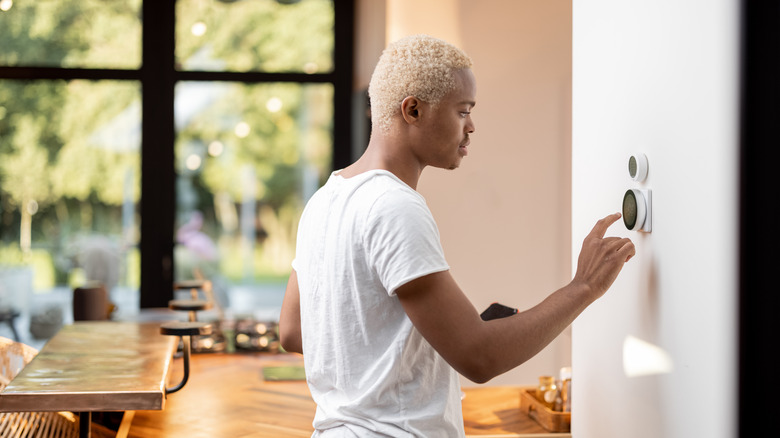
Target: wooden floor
{"x": 226, "y": 396}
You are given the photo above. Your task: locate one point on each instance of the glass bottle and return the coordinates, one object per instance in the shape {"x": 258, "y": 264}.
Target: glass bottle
{"x": 566, "y": 395}
{"x": 547, "y": 391}
{"x": 565, "y": 389}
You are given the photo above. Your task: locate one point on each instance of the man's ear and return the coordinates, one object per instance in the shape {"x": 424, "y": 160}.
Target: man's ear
{"x": 410, "y": 109}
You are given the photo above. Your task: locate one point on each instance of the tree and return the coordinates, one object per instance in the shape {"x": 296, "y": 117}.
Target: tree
{"x": 69, "y": 146}
{"x": 43, "y": 134}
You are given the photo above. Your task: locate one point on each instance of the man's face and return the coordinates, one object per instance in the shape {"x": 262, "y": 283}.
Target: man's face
{"x": 447, "y": 127}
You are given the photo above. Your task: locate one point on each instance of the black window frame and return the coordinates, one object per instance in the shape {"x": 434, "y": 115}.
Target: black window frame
{"x": 158, "y": 77}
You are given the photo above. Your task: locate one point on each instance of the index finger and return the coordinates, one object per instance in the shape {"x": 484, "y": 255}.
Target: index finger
{"x": 601, "y": 226}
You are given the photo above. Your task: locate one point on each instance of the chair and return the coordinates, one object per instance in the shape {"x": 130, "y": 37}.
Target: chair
{"x": 13, "y": 357}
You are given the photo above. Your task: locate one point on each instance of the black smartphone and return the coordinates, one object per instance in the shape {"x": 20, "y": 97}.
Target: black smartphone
{"x": 496, "y": 310}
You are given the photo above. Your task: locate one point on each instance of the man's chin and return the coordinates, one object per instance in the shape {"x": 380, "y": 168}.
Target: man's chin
{"x": 451, "y": 166}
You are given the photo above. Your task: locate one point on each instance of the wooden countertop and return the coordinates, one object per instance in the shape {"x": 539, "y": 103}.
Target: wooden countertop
{"x": 227, "y": 396}
{"x": 494, "y": 411}
{"x": 95, "y": 366}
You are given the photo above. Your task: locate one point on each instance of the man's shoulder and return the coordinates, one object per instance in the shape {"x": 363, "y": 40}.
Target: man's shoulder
{"x": 384, "y": 185}
{"x": 374, "y": 193}
{"x": 397, "y": 201}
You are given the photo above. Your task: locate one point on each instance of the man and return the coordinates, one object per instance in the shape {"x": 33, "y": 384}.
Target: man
{"x": 371, "y": 304}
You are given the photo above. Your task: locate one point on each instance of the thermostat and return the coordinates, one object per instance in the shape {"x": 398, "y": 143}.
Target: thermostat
{"x": 637, "y": 213}
{"x": 637, "y": 167}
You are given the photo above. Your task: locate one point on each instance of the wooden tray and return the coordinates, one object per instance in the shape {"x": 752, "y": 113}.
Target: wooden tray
{"x": 547, "y": 418}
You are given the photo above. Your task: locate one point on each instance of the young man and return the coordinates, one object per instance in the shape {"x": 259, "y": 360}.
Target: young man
{"x": 371, "y": 304}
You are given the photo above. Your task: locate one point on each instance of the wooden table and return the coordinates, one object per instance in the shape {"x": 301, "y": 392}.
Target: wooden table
{"x": 227, "y": 396}
{"x": 95, "y": 366}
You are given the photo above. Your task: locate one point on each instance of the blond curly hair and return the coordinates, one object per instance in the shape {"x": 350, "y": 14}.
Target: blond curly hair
{"x": 417, "y": 65}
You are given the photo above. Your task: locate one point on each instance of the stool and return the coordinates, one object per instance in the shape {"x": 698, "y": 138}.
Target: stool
{"x": 194, "y": 304}
{"x": 9, "y": 316}
{"x": 184, "y": 330}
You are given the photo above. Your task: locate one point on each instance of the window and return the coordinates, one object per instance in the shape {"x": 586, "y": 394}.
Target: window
{"x": 142, "y": 144}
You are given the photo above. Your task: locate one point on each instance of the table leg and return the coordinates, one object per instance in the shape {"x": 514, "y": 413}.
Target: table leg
{"x": 85, "y": 423}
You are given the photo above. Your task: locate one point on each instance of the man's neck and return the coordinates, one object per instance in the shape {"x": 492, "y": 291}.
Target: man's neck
{"x": 387, "y": 154}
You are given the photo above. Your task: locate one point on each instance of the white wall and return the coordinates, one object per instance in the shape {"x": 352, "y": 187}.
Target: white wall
{"x": 660, "y": 78}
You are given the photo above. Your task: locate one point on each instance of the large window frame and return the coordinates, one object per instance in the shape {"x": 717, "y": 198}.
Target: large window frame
{"x": 158, "y": 78}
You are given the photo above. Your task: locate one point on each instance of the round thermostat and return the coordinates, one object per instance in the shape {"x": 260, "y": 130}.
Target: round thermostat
{"x": 634, "y": 209}
{"x": 637, "y": 167}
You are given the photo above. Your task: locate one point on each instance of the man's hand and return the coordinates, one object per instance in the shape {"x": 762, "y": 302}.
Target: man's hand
{"x": 602, "y": 258}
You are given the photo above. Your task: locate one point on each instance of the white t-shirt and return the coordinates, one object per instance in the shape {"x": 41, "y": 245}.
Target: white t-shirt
{"x": 369, "y": 370}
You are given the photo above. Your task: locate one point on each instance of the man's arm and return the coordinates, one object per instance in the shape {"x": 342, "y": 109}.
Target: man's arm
{"x": 290, "y": 317}
{"x": 481, "y": 350}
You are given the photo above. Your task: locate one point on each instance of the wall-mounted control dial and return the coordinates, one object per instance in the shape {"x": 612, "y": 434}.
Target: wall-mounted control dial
{"x": 637, "y": 167}
{"x": 637, "y": 212}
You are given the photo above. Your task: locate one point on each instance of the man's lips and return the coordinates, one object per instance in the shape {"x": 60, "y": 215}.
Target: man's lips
{"x": 464, "y": 147}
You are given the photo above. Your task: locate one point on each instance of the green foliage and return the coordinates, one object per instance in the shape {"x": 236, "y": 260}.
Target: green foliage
{"x": 72, "y": 33}
{"x": 24, "y": 170}
{"x": 38, "y": 259}
{"x": 275, "y": 146}
{"x": 72, "y": 146}
{"x": 10, "y": 255}
{"x": 92, "y": 160}
{"x": 256, "y": 35}
{"x": 43, "y": 269}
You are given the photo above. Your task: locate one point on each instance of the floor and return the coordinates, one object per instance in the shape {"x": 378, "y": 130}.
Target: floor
{"x": 227, "y": 396}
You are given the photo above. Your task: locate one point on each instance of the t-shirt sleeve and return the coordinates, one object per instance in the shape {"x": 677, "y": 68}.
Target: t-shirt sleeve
{"x": 402, "y": 240}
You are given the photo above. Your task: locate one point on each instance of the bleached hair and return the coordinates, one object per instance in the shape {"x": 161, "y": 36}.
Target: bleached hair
{"x": 417, "y": 65}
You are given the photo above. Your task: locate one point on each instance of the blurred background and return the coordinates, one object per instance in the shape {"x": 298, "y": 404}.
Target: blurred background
{"x": 142, "y": 143}
{"x": 248, "y": 150}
